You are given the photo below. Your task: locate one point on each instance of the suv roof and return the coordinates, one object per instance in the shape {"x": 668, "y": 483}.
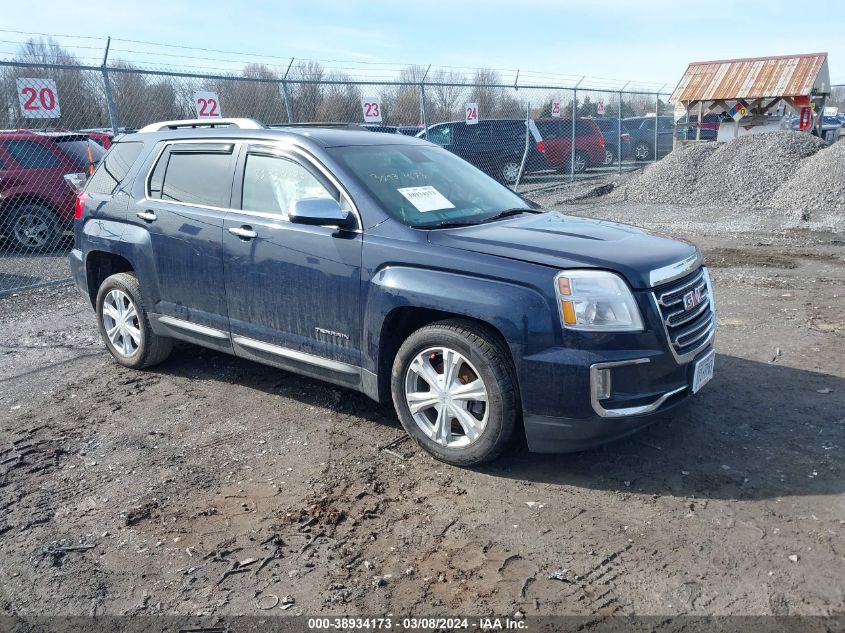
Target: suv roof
{"x": 324, "y": 137}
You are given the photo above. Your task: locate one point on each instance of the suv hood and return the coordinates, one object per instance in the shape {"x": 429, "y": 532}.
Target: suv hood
{"x": 563, "y": 241}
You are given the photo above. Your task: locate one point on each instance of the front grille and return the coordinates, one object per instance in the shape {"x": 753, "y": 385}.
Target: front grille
{"x": 688, "y": 331}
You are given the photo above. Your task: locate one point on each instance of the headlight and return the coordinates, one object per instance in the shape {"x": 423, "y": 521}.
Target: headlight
{"x": 596, "y": 301}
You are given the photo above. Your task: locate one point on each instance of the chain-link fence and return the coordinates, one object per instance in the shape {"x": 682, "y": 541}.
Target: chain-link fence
{"x": 56, "y": 120}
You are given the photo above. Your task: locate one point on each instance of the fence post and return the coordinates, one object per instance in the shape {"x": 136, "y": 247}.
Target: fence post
{"x": 285, "y": 95}
{"x": 574, "y": 116}
{"x": 107, "y": 87}
{"x": 527, "y": 145}
{"x": 656, "y": 121}
{"x": 423, "y": 109}
{"x": 619, "y": 130}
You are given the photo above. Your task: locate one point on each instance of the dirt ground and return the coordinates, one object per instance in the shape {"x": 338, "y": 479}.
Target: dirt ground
{"x": 212, "y": 485}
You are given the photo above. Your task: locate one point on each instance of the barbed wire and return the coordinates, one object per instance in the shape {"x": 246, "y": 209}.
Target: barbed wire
{"x": 359, "y": 70}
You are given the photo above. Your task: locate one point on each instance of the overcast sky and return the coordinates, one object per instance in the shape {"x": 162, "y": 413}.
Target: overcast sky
{"x": 645, "y": 41}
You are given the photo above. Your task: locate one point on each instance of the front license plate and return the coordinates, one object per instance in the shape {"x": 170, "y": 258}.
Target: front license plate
{"x": 703, "y": 371}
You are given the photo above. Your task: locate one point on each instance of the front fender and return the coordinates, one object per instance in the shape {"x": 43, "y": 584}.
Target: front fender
{"x": 521, "y": 314}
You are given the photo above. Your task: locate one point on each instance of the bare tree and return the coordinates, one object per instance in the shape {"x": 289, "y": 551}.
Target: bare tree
{"x": 444, "y": 102}
{"x": 307, "y": 97}
{"x": 401, "y": 103}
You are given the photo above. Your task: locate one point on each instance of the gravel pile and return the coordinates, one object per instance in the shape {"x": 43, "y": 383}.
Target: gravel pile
{"x": 818, "y": 187}
{"x": 746, "y": 171}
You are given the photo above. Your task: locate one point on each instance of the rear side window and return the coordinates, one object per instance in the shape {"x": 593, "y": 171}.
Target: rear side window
{"x": 32, "y": 155}
{"x": 82, "y": 151}
{"x": 194, "y": 176}
{"x": 114, "y": 168}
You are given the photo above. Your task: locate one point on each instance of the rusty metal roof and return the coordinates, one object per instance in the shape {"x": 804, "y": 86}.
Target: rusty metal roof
{"x": 752, "y": 78}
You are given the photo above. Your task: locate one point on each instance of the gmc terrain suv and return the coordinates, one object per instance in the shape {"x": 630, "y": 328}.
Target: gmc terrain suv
{"x": 386, "y": 264}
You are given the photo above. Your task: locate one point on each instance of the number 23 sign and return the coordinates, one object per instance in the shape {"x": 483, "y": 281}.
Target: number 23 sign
{"x": 39, "y": 98}
{"x": 207, "y": 105}
{"x": 371, "y": 107}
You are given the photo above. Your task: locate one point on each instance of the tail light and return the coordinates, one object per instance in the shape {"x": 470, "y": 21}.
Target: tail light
{"x": 601, "y": 141}
{"x": 79, "y": 207}
{"x": 626, "y": 137}
{"x": 541, "y": 147}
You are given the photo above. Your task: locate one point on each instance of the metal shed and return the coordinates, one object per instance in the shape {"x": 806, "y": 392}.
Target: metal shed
{"x": 753, "y": 88}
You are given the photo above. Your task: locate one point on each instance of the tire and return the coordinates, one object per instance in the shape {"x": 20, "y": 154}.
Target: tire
{"x": 33, "y": 228}
{"x": 642, "y": 150}
{"x": 479, "y": 428}
{"x": 609, "y": 156}
{"x": 134, "y": 345}
{"x": 582, "y": 162}
{"x": 508, "y": 171}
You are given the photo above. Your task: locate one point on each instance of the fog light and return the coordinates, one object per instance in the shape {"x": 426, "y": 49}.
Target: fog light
{"x": 603, "y": 387}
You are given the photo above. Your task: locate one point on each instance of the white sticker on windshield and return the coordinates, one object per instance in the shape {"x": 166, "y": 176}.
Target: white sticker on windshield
{"x": 426, "y": 198}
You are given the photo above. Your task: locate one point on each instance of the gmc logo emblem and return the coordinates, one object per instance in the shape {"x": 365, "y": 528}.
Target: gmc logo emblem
{"x": 694, "y": 298}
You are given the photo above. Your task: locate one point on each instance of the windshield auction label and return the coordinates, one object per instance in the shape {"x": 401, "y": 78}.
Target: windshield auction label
{"x": 426, "y": 198}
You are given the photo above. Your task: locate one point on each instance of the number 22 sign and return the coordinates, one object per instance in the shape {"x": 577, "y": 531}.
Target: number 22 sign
{"x": 371, "y": 107}
{"x": 472, "y": 113}
{"x": 207, "y": 105}
{"x": 39, "y": 98}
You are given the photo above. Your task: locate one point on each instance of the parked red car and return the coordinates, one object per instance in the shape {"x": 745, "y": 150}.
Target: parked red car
{"x": 557, "y": 143}
{"x": 36, "y": 201}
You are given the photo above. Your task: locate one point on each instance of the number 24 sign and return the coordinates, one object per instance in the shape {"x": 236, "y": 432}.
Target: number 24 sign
{"x": 207, "y": 105}
{"x": 39, "y": 98}
{"x": 471, "y": 113}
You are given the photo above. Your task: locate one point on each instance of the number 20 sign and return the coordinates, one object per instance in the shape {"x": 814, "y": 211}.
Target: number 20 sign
{"x": 39, "y": 98}
{"x": 207, "y": 105}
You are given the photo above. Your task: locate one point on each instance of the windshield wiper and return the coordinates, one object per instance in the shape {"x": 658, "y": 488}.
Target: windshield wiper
{"x": 509, "y": 212}
{"x": 446, "y": 224}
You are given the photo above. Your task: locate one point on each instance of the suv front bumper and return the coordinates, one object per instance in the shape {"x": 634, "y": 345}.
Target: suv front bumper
{"x": 634, "y": 393}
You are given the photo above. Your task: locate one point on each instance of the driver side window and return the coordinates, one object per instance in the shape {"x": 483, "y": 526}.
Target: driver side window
{"x": 272, "y": 184}
{"x": 441, "y": 135}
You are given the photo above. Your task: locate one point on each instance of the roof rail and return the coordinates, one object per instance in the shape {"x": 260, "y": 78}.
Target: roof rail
{"x": 243, "y": 124}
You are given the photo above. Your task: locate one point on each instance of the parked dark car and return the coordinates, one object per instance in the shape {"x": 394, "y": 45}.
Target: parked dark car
{"x": 496, "y": 146}
{"x": 390, "y": 266}
{"x": 36, "y": 200}
{"x": 709, "y": 127}
{"x": 611, "y": 131}
{"x": 641, "y": 130}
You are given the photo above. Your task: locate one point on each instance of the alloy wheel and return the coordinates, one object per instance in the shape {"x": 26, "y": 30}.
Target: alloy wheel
{"x": 510, "y": 172}
{"x": 446, "y": 397}
{"x": 120, "y": 319}
{"x": 31, "y": 230}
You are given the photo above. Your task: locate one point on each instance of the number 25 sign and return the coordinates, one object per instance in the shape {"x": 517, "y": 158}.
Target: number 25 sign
{"x": 371, "y": 107}
{"x": 39, "y": 98}
{"x": 472, "y": 113}
{"x": 207, "y": 105}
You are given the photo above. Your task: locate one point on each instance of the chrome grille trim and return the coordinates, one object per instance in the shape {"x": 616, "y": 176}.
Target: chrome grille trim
{"x": 686, "y": 332}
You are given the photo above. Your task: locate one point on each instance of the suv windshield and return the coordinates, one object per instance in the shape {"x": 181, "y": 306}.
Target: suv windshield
{"x": 428, "y": 187}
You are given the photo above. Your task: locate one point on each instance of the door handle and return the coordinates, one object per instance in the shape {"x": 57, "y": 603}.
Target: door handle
{"x": 146, "y": 216}
{"x": 244, "y": 232}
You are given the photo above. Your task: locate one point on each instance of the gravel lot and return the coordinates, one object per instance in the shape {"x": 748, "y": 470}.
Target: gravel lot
{"x": 179, "y": 475}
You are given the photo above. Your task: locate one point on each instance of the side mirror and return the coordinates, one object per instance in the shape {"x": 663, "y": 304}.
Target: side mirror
{"x": 319, "y": 212}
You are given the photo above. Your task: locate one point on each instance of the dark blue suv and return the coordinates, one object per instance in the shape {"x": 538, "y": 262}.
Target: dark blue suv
{"x": 386, "y": 264}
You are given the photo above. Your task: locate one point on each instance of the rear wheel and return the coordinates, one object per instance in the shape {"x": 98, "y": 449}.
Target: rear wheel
{"x": 609, "y": 156}
{"x": 125, "y": 326}
{"x": 33, "y": 228}
{"x": 509, "y": 171}
{"x": 642, "y": 150}
{"x": 581, "y": 162}
{"x": 454, "y": 391}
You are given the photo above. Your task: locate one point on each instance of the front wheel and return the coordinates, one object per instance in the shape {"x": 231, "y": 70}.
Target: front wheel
{"x": 125, "y": 325}
{"x": 609, "y": 156}
{"x": 454, "y": 392}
